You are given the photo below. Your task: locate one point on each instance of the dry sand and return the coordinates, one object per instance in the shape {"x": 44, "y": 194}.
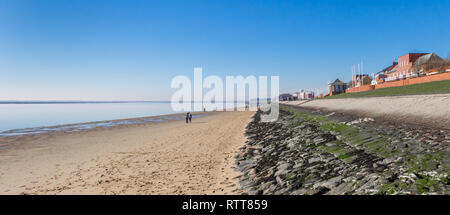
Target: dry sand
{"x": 431, "y": 110}
{"x": 156, "y": 158}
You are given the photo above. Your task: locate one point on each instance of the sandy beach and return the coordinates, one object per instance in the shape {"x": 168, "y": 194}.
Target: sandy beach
{"x": 154, "y": 158}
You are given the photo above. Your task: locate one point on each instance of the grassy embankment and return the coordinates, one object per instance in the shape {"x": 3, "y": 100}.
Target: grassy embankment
{"x": 436, "y": 87}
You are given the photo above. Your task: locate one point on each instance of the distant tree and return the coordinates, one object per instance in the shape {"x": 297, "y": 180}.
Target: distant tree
{"x": 448, "y": 57}
{"x": 367, "y": 80}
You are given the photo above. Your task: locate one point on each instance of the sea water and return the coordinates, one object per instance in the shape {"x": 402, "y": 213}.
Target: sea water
{"x": 17, "y": 118}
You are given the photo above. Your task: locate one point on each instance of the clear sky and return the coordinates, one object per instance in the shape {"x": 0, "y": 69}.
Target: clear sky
{"x": 130, "y": 50}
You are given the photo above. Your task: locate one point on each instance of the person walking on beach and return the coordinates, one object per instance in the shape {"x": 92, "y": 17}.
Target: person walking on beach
{"x": 187, "y": 117}
{"x": 190, "y": 117}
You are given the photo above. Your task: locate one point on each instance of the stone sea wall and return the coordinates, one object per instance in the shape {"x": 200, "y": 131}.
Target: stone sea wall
{"x": 312, "y": 152}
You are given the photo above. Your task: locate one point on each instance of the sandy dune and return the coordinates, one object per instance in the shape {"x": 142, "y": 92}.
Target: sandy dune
{"x": 432, "y": 110}
{"x": 156, "y": 158}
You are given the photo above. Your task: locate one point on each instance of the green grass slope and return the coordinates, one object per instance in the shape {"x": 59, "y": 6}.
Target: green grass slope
{"x": 436, "y": 87}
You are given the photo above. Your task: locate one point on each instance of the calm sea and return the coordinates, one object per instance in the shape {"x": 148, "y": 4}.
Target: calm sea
{"x": 31, "y": 118}
{"x": 30, "y": 115}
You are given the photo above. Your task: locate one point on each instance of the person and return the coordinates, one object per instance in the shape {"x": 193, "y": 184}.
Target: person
{"x": 190, "y": 117}
{"x": 187, "y": 117}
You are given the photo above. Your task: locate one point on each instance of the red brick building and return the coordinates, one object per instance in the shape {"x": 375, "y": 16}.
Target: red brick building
{"x": 412, "y": 68}
{"x": 404, "y": 66}
{"x": 337, "y": 87}
{"x": 381, "y": 75}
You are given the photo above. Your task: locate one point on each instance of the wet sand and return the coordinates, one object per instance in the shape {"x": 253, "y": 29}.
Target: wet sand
{"x": 154, "y": 158}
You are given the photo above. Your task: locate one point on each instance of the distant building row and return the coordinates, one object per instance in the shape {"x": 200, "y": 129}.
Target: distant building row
{"x": 297, "y": 96}
{"x": 410, "y": 65}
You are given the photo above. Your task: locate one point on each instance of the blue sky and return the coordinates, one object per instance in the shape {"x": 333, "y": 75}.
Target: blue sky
{"x": 130, "y": 50}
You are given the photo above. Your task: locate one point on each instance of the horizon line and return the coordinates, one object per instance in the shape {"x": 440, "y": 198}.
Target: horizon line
{"x": 98, "y": 102}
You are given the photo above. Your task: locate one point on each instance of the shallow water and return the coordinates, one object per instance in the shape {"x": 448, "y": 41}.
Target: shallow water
{"x": 22, "y": 116}
{"x": 35, "y": 118}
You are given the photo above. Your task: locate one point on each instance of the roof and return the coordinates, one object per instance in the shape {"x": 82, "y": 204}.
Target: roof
{"x": 414, "y": 54}
{"x": 393, "y": 69}
{"x": 389, "y": 68}
{"x": 337, "y": 81}
{"x": 432, "y": 57}
{"x": 286, "y": 95}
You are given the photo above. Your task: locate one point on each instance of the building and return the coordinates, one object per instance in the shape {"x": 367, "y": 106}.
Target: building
{"x": 337, "y": 87}
{"x": 413, "y": 65}
{"x": 429, "y": 64}
{"x": 357, "y": 80}
{"x": 296, "y": 95}
{"x": 412, "y": 68}
{"x": 306, "y": 94}
{"x": 286, "y": 97}
{"x": 404, "y": 66}
{"x": 309, "y": 95}
{"x": 382, "y": 75}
